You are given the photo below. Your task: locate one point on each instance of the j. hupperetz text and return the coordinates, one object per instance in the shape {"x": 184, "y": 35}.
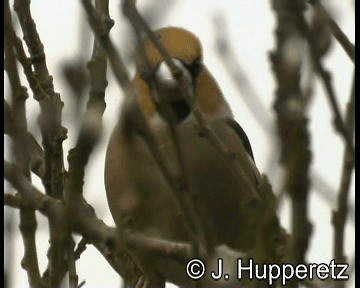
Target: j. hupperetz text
{"x": 248, "y": 269}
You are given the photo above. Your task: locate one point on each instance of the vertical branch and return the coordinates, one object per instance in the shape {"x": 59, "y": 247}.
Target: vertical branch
{"x": 28, "y": 222}
{"x": 292, "y": 123}
{"x": 57, "y": 255}
{"x": 89, "y": 134}
{"x": 341, "y": 213}
{"x": 52, "y": 132}
{"x": 92, "y": 125}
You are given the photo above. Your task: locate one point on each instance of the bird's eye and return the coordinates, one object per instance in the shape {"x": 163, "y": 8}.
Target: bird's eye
{"x": 194, "y": 69}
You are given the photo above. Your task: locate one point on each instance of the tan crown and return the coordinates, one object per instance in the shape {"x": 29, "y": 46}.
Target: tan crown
{"x": 178, "y": 42}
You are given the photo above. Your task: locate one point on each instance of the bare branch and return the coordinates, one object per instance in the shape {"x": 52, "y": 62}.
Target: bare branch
{"x": 19, "y": 129}
{"x": 81, "y": 247}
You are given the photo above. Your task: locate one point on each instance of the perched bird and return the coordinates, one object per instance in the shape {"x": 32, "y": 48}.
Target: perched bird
{"x": 139, "y": 195}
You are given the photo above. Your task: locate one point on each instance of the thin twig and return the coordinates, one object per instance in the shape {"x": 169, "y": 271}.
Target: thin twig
{"x": 81, "y": 247}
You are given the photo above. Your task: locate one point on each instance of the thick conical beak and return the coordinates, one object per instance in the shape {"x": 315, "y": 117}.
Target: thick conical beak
{"x": 168, "y": 91}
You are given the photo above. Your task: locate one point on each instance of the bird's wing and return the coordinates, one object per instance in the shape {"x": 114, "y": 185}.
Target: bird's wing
{"x": 245, "y": 140}
{"x": 241, "y": 133}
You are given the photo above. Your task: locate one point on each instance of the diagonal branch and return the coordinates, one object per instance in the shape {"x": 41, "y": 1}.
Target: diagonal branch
{"x": 340, "y": 36}
{"x": 325, "y": 77}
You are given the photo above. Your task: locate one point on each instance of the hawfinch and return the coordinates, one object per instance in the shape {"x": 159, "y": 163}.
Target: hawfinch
{"x": 139, "y": 196}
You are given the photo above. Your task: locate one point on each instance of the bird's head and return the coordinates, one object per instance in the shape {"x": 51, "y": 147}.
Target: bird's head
{"x": 186, "y": 52}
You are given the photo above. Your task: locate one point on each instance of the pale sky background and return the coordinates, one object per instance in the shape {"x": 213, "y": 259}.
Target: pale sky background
{"x": 251, "y": 26}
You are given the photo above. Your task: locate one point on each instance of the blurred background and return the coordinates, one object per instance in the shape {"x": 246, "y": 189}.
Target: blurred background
{"x": 245, "y": 27}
